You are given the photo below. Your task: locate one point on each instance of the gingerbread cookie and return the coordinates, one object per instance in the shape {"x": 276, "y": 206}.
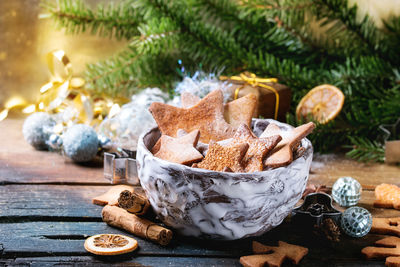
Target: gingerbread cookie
{"x": 258, "y": 147}
{"x": 241, "y": 110}
{"x": 206, "y": 116}
{"x": 387, "y": 196}
{"x": 392, "y": 262}
{"x": 180, "y": 150}
{"x": 112, "y": 195}
{"x": 279, "y": 254}
{"x": 282, "y": 154}
{"x": 188, "y": 100}
{"x": 219, "y": 157}
{"x": 388, "y": 247}
{"x": 236, "y": 112}
{"x": 386, "y": 226}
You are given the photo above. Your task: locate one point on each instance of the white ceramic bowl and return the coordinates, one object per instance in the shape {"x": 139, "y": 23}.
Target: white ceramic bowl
{"x": 221, "y": 205}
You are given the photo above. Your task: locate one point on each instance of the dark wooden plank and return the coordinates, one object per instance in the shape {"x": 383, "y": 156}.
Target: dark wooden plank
{"x": 131, "y": 260}
{"x": 50, "y": 201}
{"x": 66, "y": 239}
{"x": 139, "y": 261}
{"x": 64, "y": 202}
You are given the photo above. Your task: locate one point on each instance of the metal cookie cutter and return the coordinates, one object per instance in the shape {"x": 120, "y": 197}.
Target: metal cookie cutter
{"x": 120, "y": 167}
{"x": 316, "y": 208}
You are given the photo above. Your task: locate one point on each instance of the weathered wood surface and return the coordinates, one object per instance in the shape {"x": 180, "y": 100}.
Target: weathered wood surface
{"x": 54, "y": 202}
{"x": 46, "y": 213}
{"x": 134, "y": 261}
{"x": 20, "y": 163}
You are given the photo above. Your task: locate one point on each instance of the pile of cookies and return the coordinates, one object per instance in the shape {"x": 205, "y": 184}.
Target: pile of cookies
{"x": 207, "y": 134}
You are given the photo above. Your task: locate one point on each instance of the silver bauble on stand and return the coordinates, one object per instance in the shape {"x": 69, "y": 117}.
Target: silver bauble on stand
{"x": 37, "y": 129}
{"x": 80, "y": 143}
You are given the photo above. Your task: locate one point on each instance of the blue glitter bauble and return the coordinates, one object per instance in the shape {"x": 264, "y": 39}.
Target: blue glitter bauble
{"x": 346, "y": 191}
{"x": 80, "y": 143}
{"x": 37, "y": 129}
{"x": 356, "y": 221}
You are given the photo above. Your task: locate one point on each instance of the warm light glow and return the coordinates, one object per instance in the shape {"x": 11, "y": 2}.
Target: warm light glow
{"x": 114, "y": 110}
{"x": 14, "y": 102}
{"x": 46, "y": 87}
{"x": 41, "y": 106}
{"x": 29, "y": 109}
{"x": 3, "y": 114}
{"x": 58, "y": 128}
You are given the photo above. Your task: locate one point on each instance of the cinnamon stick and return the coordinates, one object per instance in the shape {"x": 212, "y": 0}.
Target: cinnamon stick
{"x": 133, "y": 202}
{"x": 118, "y": 217}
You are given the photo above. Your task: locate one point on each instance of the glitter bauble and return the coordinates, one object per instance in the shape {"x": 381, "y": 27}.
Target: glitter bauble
{"x": 346, "y": 191}
{"x": 356, "y": 221}
{"x": 80, "y": 143}
{"x": 37, "y": 129}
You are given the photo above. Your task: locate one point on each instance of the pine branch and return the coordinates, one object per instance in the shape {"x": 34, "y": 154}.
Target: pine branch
{"x": 372, "y": 41}
{"x": 366, "y": 150}
{"x": 113, "y": 21}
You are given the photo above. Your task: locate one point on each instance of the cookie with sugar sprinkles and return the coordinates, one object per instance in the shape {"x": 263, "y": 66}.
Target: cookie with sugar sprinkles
{"x": 282, "y": 154}
{"x": 206, "y": 116}
{"x": 220, "y": 158}
{"x": 181, "y": 149}
{"x": 258, "y": 147}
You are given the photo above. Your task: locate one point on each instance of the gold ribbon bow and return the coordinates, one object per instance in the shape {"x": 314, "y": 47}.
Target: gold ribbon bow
{"x": 65, "y": 93}
{"x": 253, "y": 80}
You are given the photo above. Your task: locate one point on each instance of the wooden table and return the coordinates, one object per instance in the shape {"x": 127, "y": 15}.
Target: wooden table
{"x": 46, "y": 214}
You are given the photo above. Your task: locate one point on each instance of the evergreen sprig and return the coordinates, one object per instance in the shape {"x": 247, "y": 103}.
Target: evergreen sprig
{"x": 268, "y": 37}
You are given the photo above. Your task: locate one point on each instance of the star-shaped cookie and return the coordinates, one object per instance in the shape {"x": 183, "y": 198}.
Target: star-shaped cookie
{"x": 236, "y": 112}
{"x": 206, "y": 116}
{"x": 224, "y": 158}
{"x": 180, "y": 150}
{"x": 258, "y": 147}
{"x": 282, "y": 154}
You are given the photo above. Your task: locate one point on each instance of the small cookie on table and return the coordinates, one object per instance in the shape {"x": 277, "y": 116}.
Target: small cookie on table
{"x": 387, "y": 196}
{"x": 279, "y": 254}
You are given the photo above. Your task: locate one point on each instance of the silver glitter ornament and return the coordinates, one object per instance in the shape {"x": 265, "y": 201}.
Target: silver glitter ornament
{"x": 356, "y": 221}
{"x": 80, "y": 143}
{"x": 37, "y": 129}
{"x": 346, "y": 191}
{"x": 55, "y": 142}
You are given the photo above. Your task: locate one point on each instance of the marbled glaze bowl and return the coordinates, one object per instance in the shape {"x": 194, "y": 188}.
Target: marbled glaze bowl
{"x": 221, "y": 205}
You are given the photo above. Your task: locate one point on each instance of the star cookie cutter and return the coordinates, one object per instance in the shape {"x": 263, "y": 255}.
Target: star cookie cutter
{"x": 391, "y": 140}
{"x": 120, "y": 167}
{"x": 390, "y": 131}
{"x": 315, "y": 208}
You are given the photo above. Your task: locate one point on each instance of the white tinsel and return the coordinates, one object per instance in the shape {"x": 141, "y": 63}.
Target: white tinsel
{"x": 125, "y": 128}
{"x": 200, "y": 84}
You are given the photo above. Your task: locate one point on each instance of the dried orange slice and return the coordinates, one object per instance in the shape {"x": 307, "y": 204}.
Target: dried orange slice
{"x": 323, "y": 103}
{"x": 110, "y": 244}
